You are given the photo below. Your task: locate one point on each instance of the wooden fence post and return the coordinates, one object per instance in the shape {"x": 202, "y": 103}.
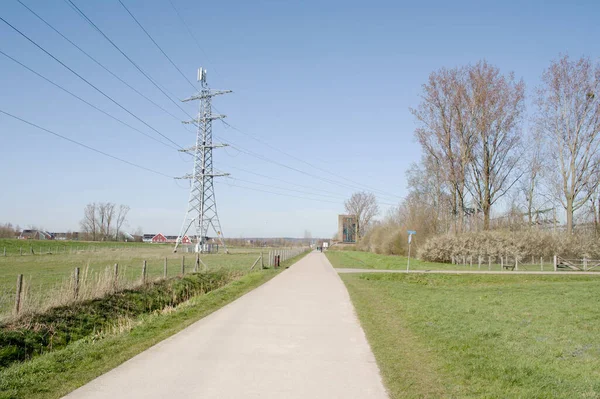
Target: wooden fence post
{"x": 479, "y": 262}
{"x": 76, "y": 282}
{"x": 470, "y": 261}
{"x": 197, "y": 264}
{"x": 116, "y": 276}
{"x": 541, "y": 263}
{"x": 165, "y": 268}
{"x": 516, "y": 263}
{"x": 18, "y": 297}
{"x": 144, "y": 272}
{"x": 182, "y": 265}
{"x": 501, "y": 263}
{"x": 555, "y": 263}
{"x": 584, "y": 264}
{"x": 254, "y": 264}
{"x": 262, "y": 261}
{"x": 4, "y": 251}
{"x": 489, "y": 262}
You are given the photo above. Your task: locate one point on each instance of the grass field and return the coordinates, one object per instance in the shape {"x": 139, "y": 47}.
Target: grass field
{"x": 482, "y": 336}
{"x": 13, "y": 247}
{"x": 368, "y": 260}
{"x": 47, "y": 272}
{"x": 56, "y": 373}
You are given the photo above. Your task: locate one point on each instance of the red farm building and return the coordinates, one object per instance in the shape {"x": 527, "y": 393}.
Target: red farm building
{"x": 161, "y": 238}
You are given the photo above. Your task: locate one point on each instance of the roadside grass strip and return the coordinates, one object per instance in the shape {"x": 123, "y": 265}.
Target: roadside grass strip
{"x": 482, "y": 336}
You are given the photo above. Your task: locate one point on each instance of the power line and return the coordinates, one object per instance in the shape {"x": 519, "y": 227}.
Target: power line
{"x": 97, "y": 62}
{"x": 284, "y": 188}
{"x": 89, "y": 83}
{"x": 156, "y": 44}
{"x": 355, "y": 186}
{"x": 89, "y": 21}
{"x": 280, "y": 194}
{"x": 192, "y": 36}
{"x": 251, "y": 153}
{"x": 283, "y": 180}
{"x": 86, "y": 102}
{"x": 248, "y": 152}
{"x": 359, "y": 185}
{"x": 85, "y": 145}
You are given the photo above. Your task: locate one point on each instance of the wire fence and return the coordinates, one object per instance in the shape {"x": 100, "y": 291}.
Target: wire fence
{"x": 47, "y": 289}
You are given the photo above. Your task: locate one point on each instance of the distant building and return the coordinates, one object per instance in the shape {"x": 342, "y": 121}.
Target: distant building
{"x": 184, "y": 240}
{"x": 35, "y": 235}
{"x": 71, "y": 235}
{"x": 161, "y": 238}
{"x": 347, "y": 228}
{"x": 148, "y": 237}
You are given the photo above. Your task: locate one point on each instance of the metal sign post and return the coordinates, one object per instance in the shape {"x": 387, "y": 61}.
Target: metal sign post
{"x": 410, "y": 234}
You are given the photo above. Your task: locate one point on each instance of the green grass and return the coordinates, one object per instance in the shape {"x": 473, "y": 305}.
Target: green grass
{"x": 482, "y": 336}
{"x": 16, "y": 247}
{"x": 57, "y": 373}
{"x": 369, "y": 260}
{"x": 44, "y": 273}
{"x": 59, "y": 326}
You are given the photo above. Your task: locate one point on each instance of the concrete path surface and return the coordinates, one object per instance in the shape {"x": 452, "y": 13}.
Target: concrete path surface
{"x": 573, "y": 273}
{"x": 296, "y": 336}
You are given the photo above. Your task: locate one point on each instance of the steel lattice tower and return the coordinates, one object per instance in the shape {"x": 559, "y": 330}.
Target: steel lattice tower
{"x": 202, "y": 205}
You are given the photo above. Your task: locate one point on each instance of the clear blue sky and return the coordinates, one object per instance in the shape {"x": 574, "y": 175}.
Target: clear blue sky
{"x": 327, "y": 81}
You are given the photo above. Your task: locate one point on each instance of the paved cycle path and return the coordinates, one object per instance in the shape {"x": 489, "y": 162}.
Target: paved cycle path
{"x": 296, "y": 336}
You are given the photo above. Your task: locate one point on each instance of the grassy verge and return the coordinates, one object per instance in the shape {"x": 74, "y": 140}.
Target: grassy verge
{"x": 34, "y": 334}
{"x": 57, "y": 373}
{"x": 369, "y": 260}
{"x": 482, "y": 336}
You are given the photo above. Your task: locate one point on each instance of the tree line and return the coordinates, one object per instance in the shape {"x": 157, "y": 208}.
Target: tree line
{"x": 104, "y": 221}
{"x": 481, "y": 149}
{"x": 476, "y": 150}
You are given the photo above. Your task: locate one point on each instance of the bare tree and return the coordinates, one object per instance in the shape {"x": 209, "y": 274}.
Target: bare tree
{"x": 98, "y": 220}
{"x": 427, "y": 182}
{"x": 101, "y": 219}
{"x": 89, "y": 223}
{"x": 496, "y": 105}
{"x": 364, "y": 206}
{"x": 443, "y": 134}
{"x": 533, "y": 166}
{"x": 109, "y": 210}
{"x": 569, "y": 114}
{"x": 121, "y": 219}
{"x": 7, "y": 231}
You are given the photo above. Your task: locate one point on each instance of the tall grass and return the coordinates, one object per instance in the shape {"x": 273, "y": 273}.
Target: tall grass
{"x": 102, "y": 308}
{"x": 91, "y": 285}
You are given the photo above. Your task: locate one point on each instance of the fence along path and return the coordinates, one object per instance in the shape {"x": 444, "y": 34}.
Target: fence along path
{"x": 84, "y": 283}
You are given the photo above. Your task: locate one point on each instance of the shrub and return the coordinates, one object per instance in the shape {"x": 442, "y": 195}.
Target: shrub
{"x": 520, "y": 244}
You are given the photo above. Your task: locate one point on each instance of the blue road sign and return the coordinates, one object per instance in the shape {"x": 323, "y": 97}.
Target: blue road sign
{"x": 412, "y": 232}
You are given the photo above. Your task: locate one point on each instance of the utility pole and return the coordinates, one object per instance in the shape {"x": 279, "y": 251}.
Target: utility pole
{"x": 202, "y": 204}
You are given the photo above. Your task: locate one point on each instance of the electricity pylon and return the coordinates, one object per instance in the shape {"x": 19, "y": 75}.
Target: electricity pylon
{"x": 202, "y": 205}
